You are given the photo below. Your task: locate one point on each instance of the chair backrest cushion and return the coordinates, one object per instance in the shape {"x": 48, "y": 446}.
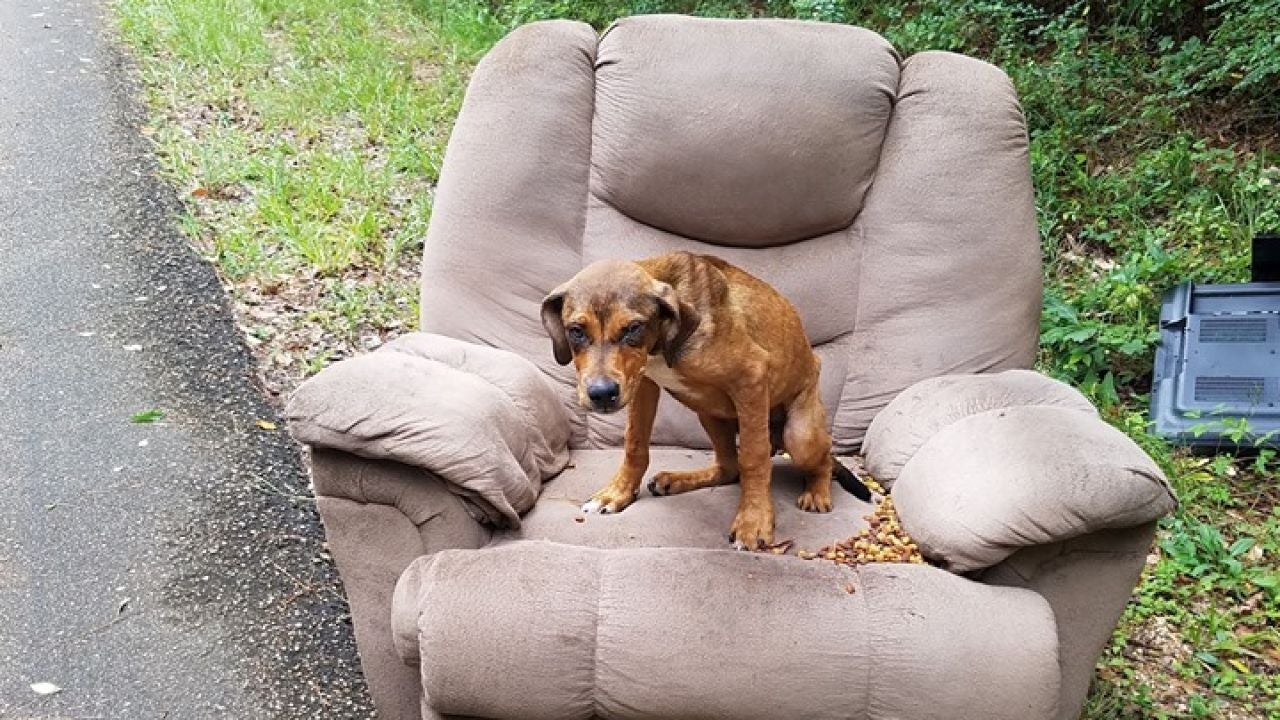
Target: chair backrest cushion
{"x": 741, "y": 134}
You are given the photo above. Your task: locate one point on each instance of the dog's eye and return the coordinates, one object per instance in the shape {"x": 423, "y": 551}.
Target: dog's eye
{"x": 633, "y": 334}
{"x": 576, "y": 335}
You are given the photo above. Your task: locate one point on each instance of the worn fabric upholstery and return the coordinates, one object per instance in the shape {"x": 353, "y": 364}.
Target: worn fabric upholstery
{"x": 509, "y": 210}
{"x": 378, "y": 516}
{"x": 949, "y": 223}
{"x": 1061, "y": 472}
{"x": 916, "y": 415}
{"x": 483, "y": 419}
{"x": 687, "y": 136}
{"x": 1058, "y": 475}
{"x": 891, "y": 201}
{"x": 703, "y": 517}
{"x": 764, "y": 157}
{"x": 803, "y": 646}
{"x": 1087, "y": 580}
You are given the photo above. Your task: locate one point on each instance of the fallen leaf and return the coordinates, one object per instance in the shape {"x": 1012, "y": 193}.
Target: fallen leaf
{"x": 45, "y": 688}
{"x": 200, "y": 192}
{"x": 147, "y": 416}
{"x": 849, "y": 588}
{"x": 265, "y": 424}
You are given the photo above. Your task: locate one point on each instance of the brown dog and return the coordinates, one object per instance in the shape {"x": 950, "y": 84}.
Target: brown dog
{"x": 726, "y": 345}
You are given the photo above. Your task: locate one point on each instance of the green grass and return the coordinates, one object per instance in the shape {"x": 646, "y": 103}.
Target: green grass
{"x": 308, "y": 135}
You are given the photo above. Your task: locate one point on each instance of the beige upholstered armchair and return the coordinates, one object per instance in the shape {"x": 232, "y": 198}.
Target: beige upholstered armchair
{"x": 891, "y": 201}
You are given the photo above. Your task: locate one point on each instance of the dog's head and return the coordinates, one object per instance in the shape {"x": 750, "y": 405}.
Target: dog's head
{"x": 607, "y": 320}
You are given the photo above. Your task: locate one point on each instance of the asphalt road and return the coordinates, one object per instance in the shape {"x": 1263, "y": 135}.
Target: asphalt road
{"x": 147, "y": 570}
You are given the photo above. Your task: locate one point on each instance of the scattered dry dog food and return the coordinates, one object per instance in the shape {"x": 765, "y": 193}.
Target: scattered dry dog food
{"x": 883, "y": 540}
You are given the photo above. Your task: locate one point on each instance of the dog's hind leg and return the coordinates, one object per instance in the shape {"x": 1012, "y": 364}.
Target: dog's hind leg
{"x": 723, "y": 434}
{"x": 808, "y": 443}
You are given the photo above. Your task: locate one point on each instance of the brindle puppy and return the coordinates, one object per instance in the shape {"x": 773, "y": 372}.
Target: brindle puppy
{"x": 723, "y": 343}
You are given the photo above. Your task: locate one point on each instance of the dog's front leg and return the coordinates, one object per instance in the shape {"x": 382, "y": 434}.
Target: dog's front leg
{"x": 621, "y": 491}
{"x": 753, "y": 525}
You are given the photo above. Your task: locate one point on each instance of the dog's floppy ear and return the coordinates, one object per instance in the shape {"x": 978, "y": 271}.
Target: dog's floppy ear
{"x": 552, "y": 306}
{"x": 679, "y": 320}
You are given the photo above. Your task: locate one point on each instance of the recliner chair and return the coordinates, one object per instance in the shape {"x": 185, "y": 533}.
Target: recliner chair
{"x": 891, "y": 201}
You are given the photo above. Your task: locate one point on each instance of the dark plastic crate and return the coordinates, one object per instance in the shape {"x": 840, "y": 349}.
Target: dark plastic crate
{"x": 1218, "y": 363}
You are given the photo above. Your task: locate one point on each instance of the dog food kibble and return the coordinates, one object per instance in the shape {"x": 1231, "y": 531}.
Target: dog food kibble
{"x": 883, "y": 540}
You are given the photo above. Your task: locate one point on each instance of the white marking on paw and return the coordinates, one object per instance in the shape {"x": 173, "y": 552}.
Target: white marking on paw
{"x": 591, "y": 506}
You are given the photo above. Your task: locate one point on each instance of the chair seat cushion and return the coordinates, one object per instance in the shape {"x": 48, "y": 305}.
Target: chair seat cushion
{"x": 534, "y": 630}
{"x": 698, "y": 519}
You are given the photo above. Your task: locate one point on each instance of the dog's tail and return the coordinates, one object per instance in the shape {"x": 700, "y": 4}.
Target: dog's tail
{"x": 849, "y": 481}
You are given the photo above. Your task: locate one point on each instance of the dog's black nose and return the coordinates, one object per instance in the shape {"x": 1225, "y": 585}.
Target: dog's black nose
{"x": 603, "y": 393}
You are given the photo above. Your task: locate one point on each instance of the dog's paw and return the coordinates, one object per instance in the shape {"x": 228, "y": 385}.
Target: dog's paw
{"x": 752, "y": 529}
{"x": 673, "y": 482}
{"x": 608, "y": 501}
{"x": 814, "y": 502}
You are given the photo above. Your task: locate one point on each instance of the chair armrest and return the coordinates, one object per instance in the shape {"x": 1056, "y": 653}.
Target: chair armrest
{"x": 1088, "y": 581}
{"x": 484, "y": 420}
{"x": 543, "y": 631}
{"x": 379, "y": 516}
{"x": 981, "y": 466}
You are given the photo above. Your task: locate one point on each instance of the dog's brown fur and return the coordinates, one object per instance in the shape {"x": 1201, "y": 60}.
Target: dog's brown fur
{"x": 725, "y": 344}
